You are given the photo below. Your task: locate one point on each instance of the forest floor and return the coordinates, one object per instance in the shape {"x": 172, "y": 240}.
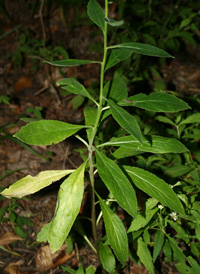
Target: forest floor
{"x": 28, "y": 88}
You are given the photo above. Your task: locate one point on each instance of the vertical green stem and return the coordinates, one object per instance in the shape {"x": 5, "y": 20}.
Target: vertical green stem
{"x": 94, "y": 130}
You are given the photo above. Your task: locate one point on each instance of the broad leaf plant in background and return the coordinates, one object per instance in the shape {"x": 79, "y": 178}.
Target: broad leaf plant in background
{"x": 123, "y": 181}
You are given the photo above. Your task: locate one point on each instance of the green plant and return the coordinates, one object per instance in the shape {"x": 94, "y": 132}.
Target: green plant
{"x": 34, "y": 49}
{"x": 37, "y": 112}
{"x": 171, "y": 25}
{"x": 151, "y": 206}
{"x": 9, "y": 213}
{"x": 4, "y": 99}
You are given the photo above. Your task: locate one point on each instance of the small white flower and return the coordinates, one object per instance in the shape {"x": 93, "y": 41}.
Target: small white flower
{"x": 174, "y": 216}
{"x": 160, "y": 207}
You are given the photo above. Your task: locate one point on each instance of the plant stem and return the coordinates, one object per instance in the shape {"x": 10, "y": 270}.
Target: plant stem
{"x": 94, "y": 130}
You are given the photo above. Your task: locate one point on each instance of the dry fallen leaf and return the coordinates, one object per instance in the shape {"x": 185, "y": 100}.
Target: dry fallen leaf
{"x": 9, "y": 238}
{"x": 13, "y": 268}
{"x": 22, "y": 82}
{"x": 45, "y": 260}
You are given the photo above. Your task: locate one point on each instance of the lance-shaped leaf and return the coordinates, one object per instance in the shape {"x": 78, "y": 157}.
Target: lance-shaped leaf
{"x": 142, "y": 219}
{"x": 71, "y": 62}
{"x": 75, "y": 87}
{"x": 90, "y": 114}
{"x": 195, "y": 268}
{"x": 155, "y": 187}
{"x": 165, "y": 120}
{"x": 115, "y": 89}
{"x": 115, "y": 231}
{"x": 123, "y": 152}
{"x": 67, "y": 208}
{"x": 31, "y": 184}
{"x": 145, "y": 255}
{"x": 151, "y": 143}
{"x": 192, "y": 119}
{"x": 46, "y": 132}
{"x": 144, "y": 49}
{"x": 178, "y": 252}
{"x": 157, "y": 102}
{"x": 116, "y": 56}
{"x": 117, "y": 183}
{"x": 96, "y": 14}
{"x": 158, "y": 243}
{"x": 126, "y": 121}
{"x": 107, "y": 257}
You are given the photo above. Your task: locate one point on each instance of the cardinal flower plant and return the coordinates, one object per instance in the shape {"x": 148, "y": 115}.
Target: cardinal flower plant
{"x": 121, "y": 181}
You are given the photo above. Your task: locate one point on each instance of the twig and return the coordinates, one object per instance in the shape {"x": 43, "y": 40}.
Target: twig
{"x": 42, "y": 22}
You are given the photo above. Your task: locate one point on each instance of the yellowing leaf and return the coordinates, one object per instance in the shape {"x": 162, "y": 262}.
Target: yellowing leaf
{"x": 67, "y": 208}
{"x": 31, "y": 184}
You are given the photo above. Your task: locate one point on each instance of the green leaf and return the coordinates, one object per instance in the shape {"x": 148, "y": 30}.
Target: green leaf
{"x": 68, "y": 269}
{"x": 195, "y": 136}
{"x": 167, "y": 250}
{"x": 21, "y": 220}
{"x": 192, "y": 119}
{"x": 117, "y": 183}
{"x": 90, "y": 114}
{"x": 123, "y": 152}
{"x": 151, "y": 143}
{"x": 195, "y": 268}
{"x": 144, "y": 49}
{"x": 96, "y": 14}
{"x": 75, "y": 87}
{"x": 185, "y": 22}
{"x": 178, "y": 252}
{"x": 5, "y": 99}
{"x": 145, "y": 255}
{"x": 46, "y": 132}
{"x": 116, "y": 56}
{"x": 20, "y": 232}
{"x": 80, "y": 270}
{"x": 194, "y": 249}
{"x": 180, "y": 231}
{"x": 141, "y": 220}
{"x": 77, "y": 101}
{"x": 31, "y": 184}
{"x": 115, "y": 89}
{"x": 158, "y": 243}
{"x": 113, "y": 22}
{"x": 157, "y": 102}
{"x": 165, "y": 120}
{"x": 183, "y": 268}
{"x": 71, "y": 62}
{"x": 67, "y": 208}
{"x": 155, "y": 187}
{"x": 177, "y": 171}
{"x": 107, "y": 258}
{"x": 44, "y": 233}
{"x": 115, "y": 231}
{"x": 126, "y": 121}
{"x": 90, "y": 269}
